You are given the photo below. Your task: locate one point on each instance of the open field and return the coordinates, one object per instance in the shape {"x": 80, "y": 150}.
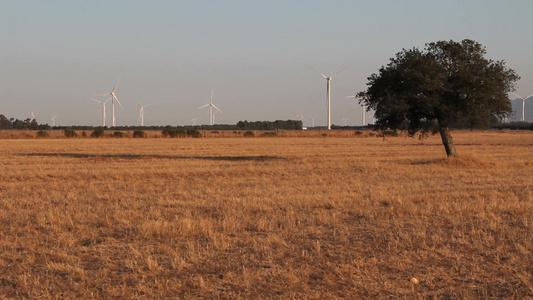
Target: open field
{"x": 289, "y": 218}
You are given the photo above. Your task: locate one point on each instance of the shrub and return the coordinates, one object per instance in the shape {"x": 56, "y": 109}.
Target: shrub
{"x": 389, "y": 133}
{"x": 118, "y": 134}
{"x": 249, "y": 134}
{"x": 269, "y": 134}
{"x": 358, "y": 132}
{"x": 70, "y": 133}
{"x": 97, "y": 133}
{"x": 173, "y": 132}
{"x": 42, "y": 134}
{"x": 139, "y": 134}
{"x": 194, "y": 133}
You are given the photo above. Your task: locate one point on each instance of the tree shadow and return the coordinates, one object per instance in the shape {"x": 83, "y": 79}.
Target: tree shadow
{"x": 144, "y": 156}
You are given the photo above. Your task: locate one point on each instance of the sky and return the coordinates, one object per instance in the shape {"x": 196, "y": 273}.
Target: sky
{"x": 55, "y": 55}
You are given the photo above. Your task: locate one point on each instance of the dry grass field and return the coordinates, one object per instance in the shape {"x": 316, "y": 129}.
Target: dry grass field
{"x": 262, "y": 218}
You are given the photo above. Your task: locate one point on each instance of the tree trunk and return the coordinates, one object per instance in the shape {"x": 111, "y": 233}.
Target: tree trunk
{"x": 447, "y": 141}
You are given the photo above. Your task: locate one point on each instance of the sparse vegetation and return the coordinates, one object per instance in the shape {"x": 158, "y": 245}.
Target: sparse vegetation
{"x": 97, "y": 133}
{"x": 269, "y": 134}
{"x": 249, "y": 134}
{"x": 42, "y": 134}
{"x": 174, "y": 132}
{"x": 70, "y": 133}
{"x": 139, "y": 134}
{"x": 119, "y": 134}
{"x": 195, "y": 133}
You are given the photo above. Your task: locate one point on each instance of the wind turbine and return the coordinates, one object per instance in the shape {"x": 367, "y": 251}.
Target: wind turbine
{"x": 54, "y": 121}
{"x": 113, "y": 99}
{"x": 211, "y": 106}
{"x": 328, "y": 91}
{"x": 345, "y": 119}
{"x": 141, "y": 112}
{"x": 193, "y": 120}
{"x": 313, "y": 120}
{"x": 103, "y": 109}
{"x": 364, "y": 109}
{"x": 523, "y": 105}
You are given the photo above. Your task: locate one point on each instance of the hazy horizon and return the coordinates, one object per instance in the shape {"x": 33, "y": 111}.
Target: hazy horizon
{"x": 55, "y": 55}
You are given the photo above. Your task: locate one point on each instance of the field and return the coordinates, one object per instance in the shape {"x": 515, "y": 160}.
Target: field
{"x": 279, "y": 217}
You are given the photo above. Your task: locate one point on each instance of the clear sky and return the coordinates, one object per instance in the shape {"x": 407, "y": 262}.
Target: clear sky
{"x": 55, "y": 54}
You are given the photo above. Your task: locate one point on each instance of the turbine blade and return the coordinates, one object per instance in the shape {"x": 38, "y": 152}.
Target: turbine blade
{"x": 528, "y": 96}
{"x": 102, "y": 94}
{"x": 204, "y": 106}
{"x": 116, "y": 98}
{"x": 116, "y": 84}
{"x": 216, "y": 108}
{"x": 353, "y": 96}
{"x": 96, "y": 100}
{"x": 317, "y": 71}
{"x": 516, "y": 95}
{"x": 341, "y": 70}
{"x": 212, "y": 91}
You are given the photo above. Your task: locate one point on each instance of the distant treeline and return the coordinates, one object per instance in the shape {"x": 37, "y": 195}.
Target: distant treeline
{"x": 29, "y": 123}
{"x": 32, "y": 124}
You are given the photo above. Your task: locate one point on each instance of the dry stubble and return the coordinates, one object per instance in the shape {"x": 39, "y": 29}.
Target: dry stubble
{"x": 267, "y": 217}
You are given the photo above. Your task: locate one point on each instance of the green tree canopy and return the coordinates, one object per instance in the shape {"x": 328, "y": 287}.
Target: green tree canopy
{"x": 448, "y": 83}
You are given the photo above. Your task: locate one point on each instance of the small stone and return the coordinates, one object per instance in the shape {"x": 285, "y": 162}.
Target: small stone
{"x": 414, "y": 280}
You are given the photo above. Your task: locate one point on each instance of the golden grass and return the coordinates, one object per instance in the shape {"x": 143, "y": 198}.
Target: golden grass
{"x": 312, "y": 218}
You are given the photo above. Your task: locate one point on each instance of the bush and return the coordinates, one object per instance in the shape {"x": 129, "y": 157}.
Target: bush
{"x": 269, "y": 134}
{"x": 70, "y": 133}
{"x": 389, "y": 133}
{"x": 139, "y": 134}
{"x": 249, "y": 134}
{"x": 97, "y": 133}
{"x": 194, "y": 133}
{"x": 173, "y": 132}
{"x": 42, "y": 134}
{"x": 118, "y": 134}
{"x": 358, "y": 132}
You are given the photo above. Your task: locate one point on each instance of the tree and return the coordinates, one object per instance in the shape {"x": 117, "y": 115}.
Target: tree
{"x": 447, "y": 84}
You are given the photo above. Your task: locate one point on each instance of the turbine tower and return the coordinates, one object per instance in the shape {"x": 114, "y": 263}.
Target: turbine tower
{"x": 364, "y": 109}
{"x": 313, "y": 120}
{"x": 141, "y": 112}
{"x": 211, "y": 106}
{"x": 103, "y": 109}
{"x": 328, "y": 92}
{"x": 523, "y": 105}
{"x": 113, "y": 99}
{"x": 54, "y": 121}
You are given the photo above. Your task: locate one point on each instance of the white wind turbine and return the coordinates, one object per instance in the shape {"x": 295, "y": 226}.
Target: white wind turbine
{"x": 328, "y": 91}
{"x": 345, "y": 119}
{"x": 113, "y": 99}
{"x": 54, "y": 121}
{"x": 364, "y": 109}
{"x": 103, "y": 109}
{"x": 193, "y": 120}
{"x": 211, "y": 106}
{"x": 313, "y": 120}
{"x": 523, "y": 105}
{"x": 141, "y": 112}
